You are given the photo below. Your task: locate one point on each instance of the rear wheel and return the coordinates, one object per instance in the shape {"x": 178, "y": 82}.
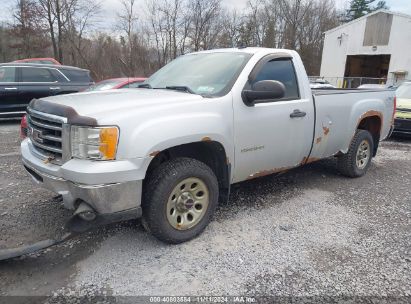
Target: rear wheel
{"x": 357, "y": 160}
{"x": 179, "y": 200}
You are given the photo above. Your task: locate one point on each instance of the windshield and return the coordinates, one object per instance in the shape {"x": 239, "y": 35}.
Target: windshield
{"x": 207, "y": 74}
{"x": 404, "y": 90}
{"x": 104, "y": 85}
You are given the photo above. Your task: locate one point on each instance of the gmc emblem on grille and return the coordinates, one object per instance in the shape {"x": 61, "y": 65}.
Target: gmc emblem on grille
{"x": 37, "y": 135}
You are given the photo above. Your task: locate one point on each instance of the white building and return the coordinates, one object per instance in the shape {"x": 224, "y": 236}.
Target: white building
{"x": 377, "y": 45}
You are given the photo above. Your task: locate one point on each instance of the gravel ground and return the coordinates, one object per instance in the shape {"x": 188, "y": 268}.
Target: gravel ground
{"x": 307, "y": 233}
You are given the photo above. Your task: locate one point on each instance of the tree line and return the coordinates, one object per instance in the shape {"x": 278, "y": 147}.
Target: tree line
{"x": 148, "y": 34}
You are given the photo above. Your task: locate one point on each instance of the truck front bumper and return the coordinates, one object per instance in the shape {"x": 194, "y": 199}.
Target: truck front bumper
{"x": 107, "y": 187}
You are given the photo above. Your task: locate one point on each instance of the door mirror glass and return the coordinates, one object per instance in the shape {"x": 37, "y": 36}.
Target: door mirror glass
{"x": 264, "y": 91}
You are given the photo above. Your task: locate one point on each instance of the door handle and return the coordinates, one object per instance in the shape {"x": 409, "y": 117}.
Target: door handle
{"x": 297, "y": 113}
{"x": 10, "y": 88}
{"x": 54, "y": 88}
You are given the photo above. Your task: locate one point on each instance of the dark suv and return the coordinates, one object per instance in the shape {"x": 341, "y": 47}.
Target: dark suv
{"x": 21, "y": 82}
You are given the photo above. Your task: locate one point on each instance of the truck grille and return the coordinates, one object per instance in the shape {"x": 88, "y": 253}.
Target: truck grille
{"x": 45, "y": 132}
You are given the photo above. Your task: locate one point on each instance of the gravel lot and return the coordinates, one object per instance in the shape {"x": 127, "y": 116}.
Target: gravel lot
{"x": 309, "y": 232}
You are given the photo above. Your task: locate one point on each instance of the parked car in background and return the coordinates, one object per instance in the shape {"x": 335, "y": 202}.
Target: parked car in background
{"x": 116, "y": 83}
{"x": 39, "y": 60}
{"x": 320, "y": 84}
{"x": 21, "y": 82}
{"x": 402, "y": 122}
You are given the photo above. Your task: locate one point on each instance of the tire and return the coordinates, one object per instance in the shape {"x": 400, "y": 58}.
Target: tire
{"x": 165, "y": 199}
{"x": 348, "y": 164}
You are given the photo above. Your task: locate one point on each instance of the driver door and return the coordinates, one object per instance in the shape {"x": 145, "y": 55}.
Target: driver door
{"x": 268, "y": 138}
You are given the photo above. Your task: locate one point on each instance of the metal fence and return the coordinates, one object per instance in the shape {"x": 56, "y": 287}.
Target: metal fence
{"x": 355, "y": 82}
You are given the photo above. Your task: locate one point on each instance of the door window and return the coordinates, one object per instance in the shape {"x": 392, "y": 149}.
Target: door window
{"x": 37, "y": 75}
{"x": 281, "y": 70}
{"x": 7, "y": 74}
{"x": 77, "y": 75}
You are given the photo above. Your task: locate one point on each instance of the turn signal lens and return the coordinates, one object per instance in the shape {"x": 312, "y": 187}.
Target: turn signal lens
{"x": 108, "y": 142}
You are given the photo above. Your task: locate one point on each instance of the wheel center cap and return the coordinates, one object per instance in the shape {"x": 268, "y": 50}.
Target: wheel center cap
{"x": 189, "y": 203}
{"x": 185, "y": 202}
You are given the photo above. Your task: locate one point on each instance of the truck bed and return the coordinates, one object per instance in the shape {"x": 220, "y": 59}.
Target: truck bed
{"x": 339, "y": 112}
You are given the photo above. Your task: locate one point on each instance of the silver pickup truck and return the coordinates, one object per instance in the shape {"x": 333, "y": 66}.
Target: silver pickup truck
{"x": 169, "y": 151}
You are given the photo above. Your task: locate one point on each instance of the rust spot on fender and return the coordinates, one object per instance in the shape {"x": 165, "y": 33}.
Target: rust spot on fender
{"x": 268, "y": 172}
{"x": 318, "y": 140}
{"x": 371, "y": 113}
{"x": 206, "y": 138}
{"x": 326, "y": 130}
{"x": 154, "y": 154}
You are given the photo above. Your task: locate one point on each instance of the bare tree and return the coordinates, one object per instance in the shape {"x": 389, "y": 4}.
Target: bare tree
{"x": 169, "y": 28}
{"x": 204, "y": 14}
{"x": 27, "y": 30}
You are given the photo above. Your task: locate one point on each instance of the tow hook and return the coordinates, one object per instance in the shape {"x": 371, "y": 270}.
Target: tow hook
{"x": 85, "y": 212}
{"x": 85, "y": 218}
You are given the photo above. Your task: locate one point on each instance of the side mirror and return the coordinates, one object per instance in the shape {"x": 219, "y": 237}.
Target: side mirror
{"x": 264, "y": 91}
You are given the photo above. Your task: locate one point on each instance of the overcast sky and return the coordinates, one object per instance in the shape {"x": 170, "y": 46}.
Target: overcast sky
{"x": 110, "y": 8}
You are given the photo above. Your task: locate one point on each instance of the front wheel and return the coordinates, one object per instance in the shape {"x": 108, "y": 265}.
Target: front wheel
{"x": 179, "y": 200}
{"x": 357, "y": 160}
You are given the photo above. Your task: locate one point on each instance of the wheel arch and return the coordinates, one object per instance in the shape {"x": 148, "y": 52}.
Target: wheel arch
{"x": 208, "y": 151}
{"x": 372, "y": 122}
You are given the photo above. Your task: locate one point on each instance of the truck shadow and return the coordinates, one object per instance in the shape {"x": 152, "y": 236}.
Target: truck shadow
{"x": 273, "y": 189}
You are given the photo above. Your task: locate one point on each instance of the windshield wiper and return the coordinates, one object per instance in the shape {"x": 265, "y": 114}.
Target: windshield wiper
{"x": 181, "y": 88}
{"x": 144, "y": 86}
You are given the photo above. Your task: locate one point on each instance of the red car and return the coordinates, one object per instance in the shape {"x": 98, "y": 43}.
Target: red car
{"x": 116, "y": 83}
{"x": 39, "y": 60}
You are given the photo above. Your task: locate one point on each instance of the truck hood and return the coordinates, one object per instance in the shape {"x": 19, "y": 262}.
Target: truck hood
{"x": 100, "y": 105}
{"x": 403, "y": 108}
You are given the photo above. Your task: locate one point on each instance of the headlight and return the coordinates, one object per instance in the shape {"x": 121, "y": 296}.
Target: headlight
{"x": 94, "y": 143}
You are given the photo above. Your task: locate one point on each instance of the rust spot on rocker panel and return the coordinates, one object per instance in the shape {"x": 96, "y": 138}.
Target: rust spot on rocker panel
{"x": 312, "y": 159}
{"x": 206, "y": 138}
{"x": 326, "y": 130}
{"x": 318, "y": 140}
{"x": 268, "y": 172}
{"x": 307, "y": 160}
